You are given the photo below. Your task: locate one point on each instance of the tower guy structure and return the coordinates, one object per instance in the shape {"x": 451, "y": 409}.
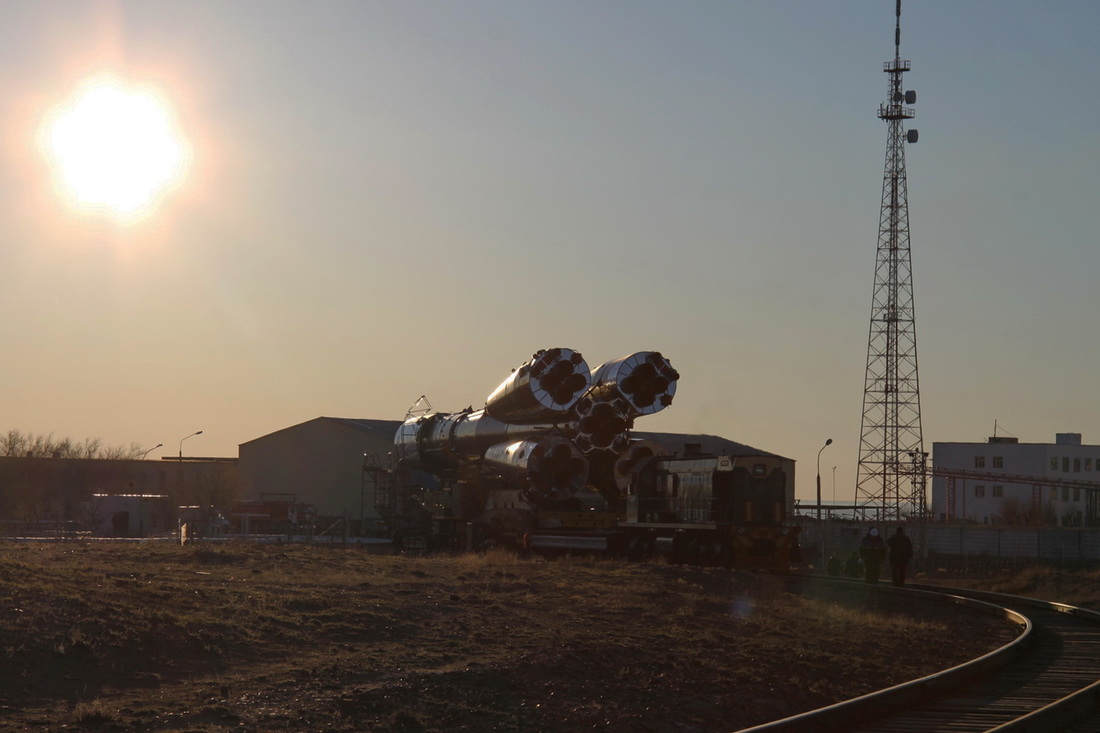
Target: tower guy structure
{"x": 890, "y": 480}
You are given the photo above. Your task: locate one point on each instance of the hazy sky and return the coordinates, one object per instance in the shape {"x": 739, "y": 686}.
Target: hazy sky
{"x": 389, "y": 199}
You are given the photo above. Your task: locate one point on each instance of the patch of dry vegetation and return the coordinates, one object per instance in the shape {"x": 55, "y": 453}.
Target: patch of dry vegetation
{"x": 1075, "y": 585}
{"x": 294, "y": 638}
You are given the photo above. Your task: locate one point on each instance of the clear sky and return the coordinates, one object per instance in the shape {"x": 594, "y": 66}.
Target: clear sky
{"x": 384, "y": 199}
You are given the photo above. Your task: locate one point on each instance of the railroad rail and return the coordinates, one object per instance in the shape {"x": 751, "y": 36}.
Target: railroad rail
{"x": 1046, "y": 680}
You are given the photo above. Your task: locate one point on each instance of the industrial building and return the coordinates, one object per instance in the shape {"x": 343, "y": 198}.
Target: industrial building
{"x": 319, "y": 462}
{"x": 1004, "y": 481}
{"x": 108, "y": 497}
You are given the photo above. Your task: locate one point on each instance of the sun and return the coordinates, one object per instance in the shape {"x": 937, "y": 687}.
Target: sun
{"x": 115, "y": 148}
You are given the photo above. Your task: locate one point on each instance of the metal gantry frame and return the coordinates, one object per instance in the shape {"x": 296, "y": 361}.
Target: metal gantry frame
{"x": 891, "y": 433}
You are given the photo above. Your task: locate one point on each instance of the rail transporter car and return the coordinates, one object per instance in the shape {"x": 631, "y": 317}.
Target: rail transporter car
{"x": 549, "y": 466}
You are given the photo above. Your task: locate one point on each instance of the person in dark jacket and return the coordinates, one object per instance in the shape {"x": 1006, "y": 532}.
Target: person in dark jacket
{"x": 872, "y": 549}
{"x": 901, "y": 552}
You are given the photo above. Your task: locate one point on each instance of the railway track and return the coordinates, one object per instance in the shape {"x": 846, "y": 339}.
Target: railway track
{"x": 1047, "y": 680}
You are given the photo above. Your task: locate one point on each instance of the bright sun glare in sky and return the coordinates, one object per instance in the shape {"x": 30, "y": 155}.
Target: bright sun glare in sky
{"x": 115, "y": 148}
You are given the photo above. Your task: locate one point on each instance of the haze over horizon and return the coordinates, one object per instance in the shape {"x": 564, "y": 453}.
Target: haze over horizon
{"x": 381, "y": 200}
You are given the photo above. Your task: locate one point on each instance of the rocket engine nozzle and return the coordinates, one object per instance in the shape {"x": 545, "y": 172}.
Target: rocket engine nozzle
{"x": 542, "y": 389}
{"x": 637, "y": 452}
{"x": 611, "y": 472}
{"x": 645, "y": 380}
{"x": 601, "y": 425}
{"x": 550, "y": 468}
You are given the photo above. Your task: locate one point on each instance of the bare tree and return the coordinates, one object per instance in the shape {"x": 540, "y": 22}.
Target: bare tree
{"x": 16, "y": 443}
{"x": 1017, "y": 513}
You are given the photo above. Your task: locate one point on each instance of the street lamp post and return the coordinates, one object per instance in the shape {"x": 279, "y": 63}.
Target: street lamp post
{"x": 199, "y": 432}
{"x": 158, "y": 445}
{"x": 828, "y": 442}
{"x": 821, "y": 529}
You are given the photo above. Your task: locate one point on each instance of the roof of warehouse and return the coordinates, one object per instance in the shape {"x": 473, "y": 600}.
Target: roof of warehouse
{"x": 379, "y": 428}
{"x": 386, "y": 428}
{"x": 677, "y": 443}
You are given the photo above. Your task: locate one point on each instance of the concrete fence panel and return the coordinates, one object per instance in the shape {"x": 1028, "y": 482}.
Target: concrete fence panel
{"x": 1019, "y": 542}
{"x": 943, "y": 540}
{"x": 1060, "y": 544}
{"x": 1090, "y": 544}
{"x": 981, "y": 542}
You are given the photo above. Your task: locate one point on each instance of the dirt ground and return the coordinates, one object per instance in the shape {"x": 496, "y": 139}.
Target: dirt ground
{"x": 155, "y": 637}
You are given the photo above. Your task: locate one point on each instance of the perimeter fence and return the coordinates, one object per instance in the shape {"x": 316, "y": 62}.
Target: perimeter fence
{"x": 961, "y": 543}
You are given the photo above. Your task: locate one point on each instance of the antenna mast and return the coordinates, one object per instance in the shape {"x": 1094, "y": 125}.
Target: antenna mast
{"x": 890, "y": 483}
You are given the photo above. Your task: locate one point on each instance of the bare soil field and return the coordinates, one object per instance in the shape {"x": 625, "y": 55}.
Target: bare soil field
{"x": 237, "y": 637}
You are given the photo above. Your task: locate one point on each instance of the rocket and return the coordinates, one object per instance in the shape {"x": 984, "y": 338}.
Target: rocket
{"x": 541, "y": 425}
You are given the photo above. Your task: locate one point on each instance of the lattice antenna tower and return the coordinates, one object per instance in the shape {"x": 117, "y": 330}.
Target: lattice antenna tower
{"x": 888, "y": 488}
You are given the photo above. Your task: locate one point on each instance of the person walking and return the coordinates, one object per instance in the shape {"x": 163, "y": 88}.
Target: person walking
{"x": 901, "y": 552}
{"x": 872, "y": 550}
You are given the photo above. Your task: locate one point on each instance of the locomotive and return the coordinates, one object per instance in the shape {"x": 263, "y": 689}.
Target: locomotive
{"x": 550, "y": 465}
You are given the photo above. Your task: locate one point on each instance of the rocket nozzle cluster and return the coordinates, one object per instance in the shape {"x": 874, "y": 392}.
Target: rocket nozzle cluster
{"x": 548, "y": 468}
{"x": 560, "y": 377}
{"x": 600, "y": 425}
{"x": 541, "y": 389}
{"x": 646, "y": 380}
{"x": 651, "y": 384}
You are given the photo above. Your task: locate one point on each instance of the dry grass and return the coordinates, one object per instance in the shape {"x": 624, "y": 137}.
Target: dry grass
{"x": 272, "y": 638}
{"x": 1076, "y": 584}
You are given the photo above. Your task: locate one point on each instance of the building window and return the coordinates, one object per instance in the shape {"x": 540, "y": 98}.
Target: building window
{"x": 1065, "y": 464}
{"x": 1065, "y": 493}
{"x": 1077, "y": 465}
{"x": 998, "y": 461}
{"x": 1053, "y": 463}
{"x": 998, "y": 492}
{"x": 1054, "y": 494}
{"x": 979, "y": 461}
{"x": 979, "y": 491}
{"x": 1088, "y": 464}
{"x": 1076, "y": 494}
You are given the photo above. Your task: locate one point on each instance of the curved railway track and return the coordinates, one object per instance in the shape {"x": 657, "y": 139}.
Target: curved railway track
{"x": 1047, "y": 680}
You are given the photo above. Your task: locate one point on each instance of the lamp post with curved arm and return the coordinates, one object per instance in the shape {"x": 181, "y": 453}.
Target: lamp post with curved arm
{"x": 199, "y": 432}
{"x": 158, "y": 445}
{"x": 820, "y": 529}
{"x": 828, "y": 442}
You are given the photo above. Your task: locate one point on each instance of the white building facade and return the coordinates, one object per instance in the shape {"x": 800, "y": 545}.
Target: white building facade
{"x": 1004, "y": 481}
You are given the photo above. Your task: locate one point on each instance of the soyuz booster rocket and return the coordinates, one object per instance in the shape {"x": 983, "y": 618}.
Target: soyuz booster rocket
{"x": 539, "y": 428}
